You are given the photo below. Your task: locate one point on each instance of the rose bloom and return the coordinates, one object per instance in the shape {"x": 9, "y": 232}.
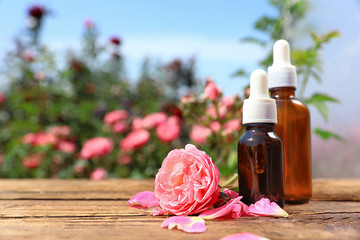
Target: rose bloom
{"x": 215, "y": 126}
{"x": 98, "y": 174}
{"x": 32, "y": 161}
{"x": 228, "y": 101}
{"x": 168, "y": 131}
{"x": 2, "y": 98}
{"x": 115, "y": 116}
{"x": 199, "y": 134}
{"x": 28, "y": 56}
{"x": 187, "y": 182}
{"x": 96, "y": 147}
{"x": 136, "y": 123}
{"x": 135, "y": 140}
{"x": 39, "y": 139}
{"x": 60, "y": 130}
{"x": 119, "y": 127}
{"x": 211, "y": 110}
{"x": 66, "y": 146}
{"x": 233, "y": 125}
{"x": 211, "y": 90}
{"x": 154, "y": 119}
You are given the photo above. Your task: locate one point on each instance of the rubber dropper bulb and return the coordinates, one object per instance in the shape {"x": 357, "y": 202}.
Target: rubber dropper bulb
{"x": 259, "y": 85}
{"x": 281, "y": 52}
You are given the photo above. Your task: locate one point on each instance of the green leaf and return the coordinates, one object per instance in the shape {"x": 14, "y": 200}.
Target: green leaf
{"x": 324, "y": 134}
{"x": 240, "y": 73}
{"x": 318, "y": 100}
{"x": 253, "y": 40}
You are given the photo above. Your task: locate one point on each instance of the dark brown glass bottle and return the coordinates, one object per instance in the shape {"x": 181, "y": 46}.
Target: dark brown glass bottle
{"x": 260, "y": 164}
{"x": 294, "y": 130}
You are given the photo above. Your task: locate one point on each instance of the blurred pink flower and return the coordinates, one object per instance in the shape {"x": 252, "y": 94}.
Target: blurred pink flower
{"x": 61, "y": 131}
{"x": 233, "y": 125}
{"x": 211, "y": 110}
{"x": 228, "y": 101}
{"x": 124, "y": 160}
{"x": 115, "y": 116}
{"x": 39, "y": 139}
{"x": 32, "y": 161}
{"x": 28, "y": 56}
{"x": 115, "y": 40}
{"x": 168, "y": 131}
{"x": 211, "y": 90}
{"x": 98, "y": 174}
{"x": 96, "y": 147}
{"x": 186, "y": 99}
{"x": 119, "y": 127}
{"x": 78, "y": 168}
{"x": 215, "y": 126}
{"x": 135, "y": 140}
{"x": 136, "y": 123}
{"x": 2, "y": 98}
{"x": 153, "y": 120}
{"x": 174, "y": 119}
{"x": 199, "y": 134}
{"x": 39, "y": 76}
{"x": 66, "y": 146}
{"x": 187, "y": 182}
{"x": 89, "y": 23}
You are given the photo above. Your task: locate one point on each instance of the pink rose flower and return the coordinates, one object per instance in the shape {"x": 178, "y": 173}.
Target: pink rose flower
{"x": 119, "y": 127}
{"x": 168, "y": 131}
{"x": 96, "y": 147}
{"x": 211, "y": 90}
{"x": 115, "y": 116}
{"x": 228, "y": 101}
{"x": 32, "y": 161}
{"x": 211, "y": 110}
{"x": 98, "y": 174}
{"x": 215, "y": 126}
{"x": 153, "y": 120}
{"x": 39, "y": 139}
{"x": 66, "y": 146}
{"x": 187, "y": 182}
{"x": 233, "y": 125}
{"x": 60, "y": 130}
{"x": 135, "y": 140}
{"x": 199, "y": 134}
{"x": 137, "y": 124}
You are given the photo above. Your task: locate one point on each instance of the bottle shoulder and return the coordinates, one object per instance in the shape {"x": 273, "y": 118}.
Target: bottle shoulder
{"x": 251, "y": 137}
{"x": 292, "y": 103}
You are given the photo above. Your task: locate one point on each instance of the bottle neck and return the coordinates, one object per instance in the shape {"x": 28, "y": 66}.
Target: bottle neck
{"x": 282, "y": 92}
{"x": 268, "y": 127}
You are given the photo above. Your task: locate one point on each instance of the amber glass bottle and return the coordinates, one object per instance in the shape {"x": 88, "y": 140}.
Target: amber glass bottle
{"x": 294, "y": 129}
{"x": 293, "y": 125}
{"x": 260, "y": 164}
{"x": 260, "y": 152}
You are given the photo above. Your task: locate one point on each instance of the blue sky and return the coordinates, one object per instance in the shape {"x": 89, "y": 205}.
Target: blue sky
{"x": 208, "y": 30}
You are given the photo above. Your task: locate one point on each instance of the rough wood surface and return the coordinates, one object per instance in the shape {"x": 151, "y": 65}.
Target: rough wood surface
{"x": 82, "y": 209}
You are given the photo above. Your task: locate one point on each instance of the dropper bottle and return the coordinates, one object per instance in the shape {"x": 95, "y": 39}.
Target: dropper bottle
{"x": 260, "y": 152}
{"x": 293, "y": 125}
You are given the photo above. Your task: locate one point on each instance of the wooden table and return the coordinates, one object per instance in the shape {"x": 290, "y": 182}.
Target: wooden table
{"x": 83, "y": 209}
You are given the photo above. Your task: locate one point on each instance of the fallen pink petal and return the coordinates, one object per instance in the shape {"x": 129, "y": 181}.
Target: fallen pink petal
{"x": 231, "y": 193}
{"x": 186, "y": 224}
{"x": 243, "y": 236}
{"x": 264, "y": 207}
{"x": 158, "y": 211}
{"x": 233, "y": 209}
{"x": 145, "y": 199}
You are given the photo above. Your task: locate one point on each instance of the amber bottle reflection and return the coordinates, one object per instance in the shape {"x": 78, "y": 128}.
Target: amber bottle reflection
{"x": 293, "y": 128}
{"x": 260, "y": 164}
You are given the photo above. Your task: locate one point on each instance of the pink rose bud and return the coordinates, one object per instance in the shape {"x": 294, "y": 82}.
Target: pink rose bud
{"x": 32, "y": 161}
{"x": 96, "y": 147}
{"x": 154, "y": 119}
{"x": 168, "y": 131}
{"x": 228, "y": 101}
{"x": 211, "y": 90}
{"x": 66, "y": 146}
{"x": 187, "y": 182}
{"x": 98, "y": 174}
{"x": 215, "y": 126}
{"x": 119, "y": 127}
{"x": 61, "y": 131}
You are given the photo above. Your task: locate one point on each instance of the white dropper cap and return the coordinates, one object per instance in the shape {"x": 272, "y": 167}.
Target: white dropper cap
{"x": 259, "y": 107}
{"x": 282, "y": 73}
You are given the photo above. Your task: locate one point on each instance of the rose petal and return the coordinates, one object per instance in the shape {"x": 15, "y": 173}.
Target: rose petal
{"x": 231, "y": 193}
{"x": 233, "y": 209}
{"x": 145, "y": 199}
{"x": 186, "y": 224}
{"x": 158, "y": 211}
{"x": 244, "y": 236}
{"x": 264, "y": 207}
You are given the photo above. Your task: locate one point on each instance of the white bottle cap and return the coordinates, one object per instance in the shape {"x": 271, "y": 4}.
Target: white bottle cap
{"x": 282, "y": 73}
{"x": 259, "y": 107}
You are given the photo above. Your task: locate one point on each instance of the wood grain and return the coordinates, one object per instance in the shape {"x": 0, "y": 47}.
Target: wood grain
{"x": 82, "y": 209}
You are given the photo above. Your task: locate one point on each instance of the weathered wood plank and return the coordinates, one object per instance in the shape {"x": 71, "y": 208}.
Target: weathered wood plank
{"x": 116, "y": 208}
{"x": 323, "y": 189}
{"x": 149, "y": 228}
